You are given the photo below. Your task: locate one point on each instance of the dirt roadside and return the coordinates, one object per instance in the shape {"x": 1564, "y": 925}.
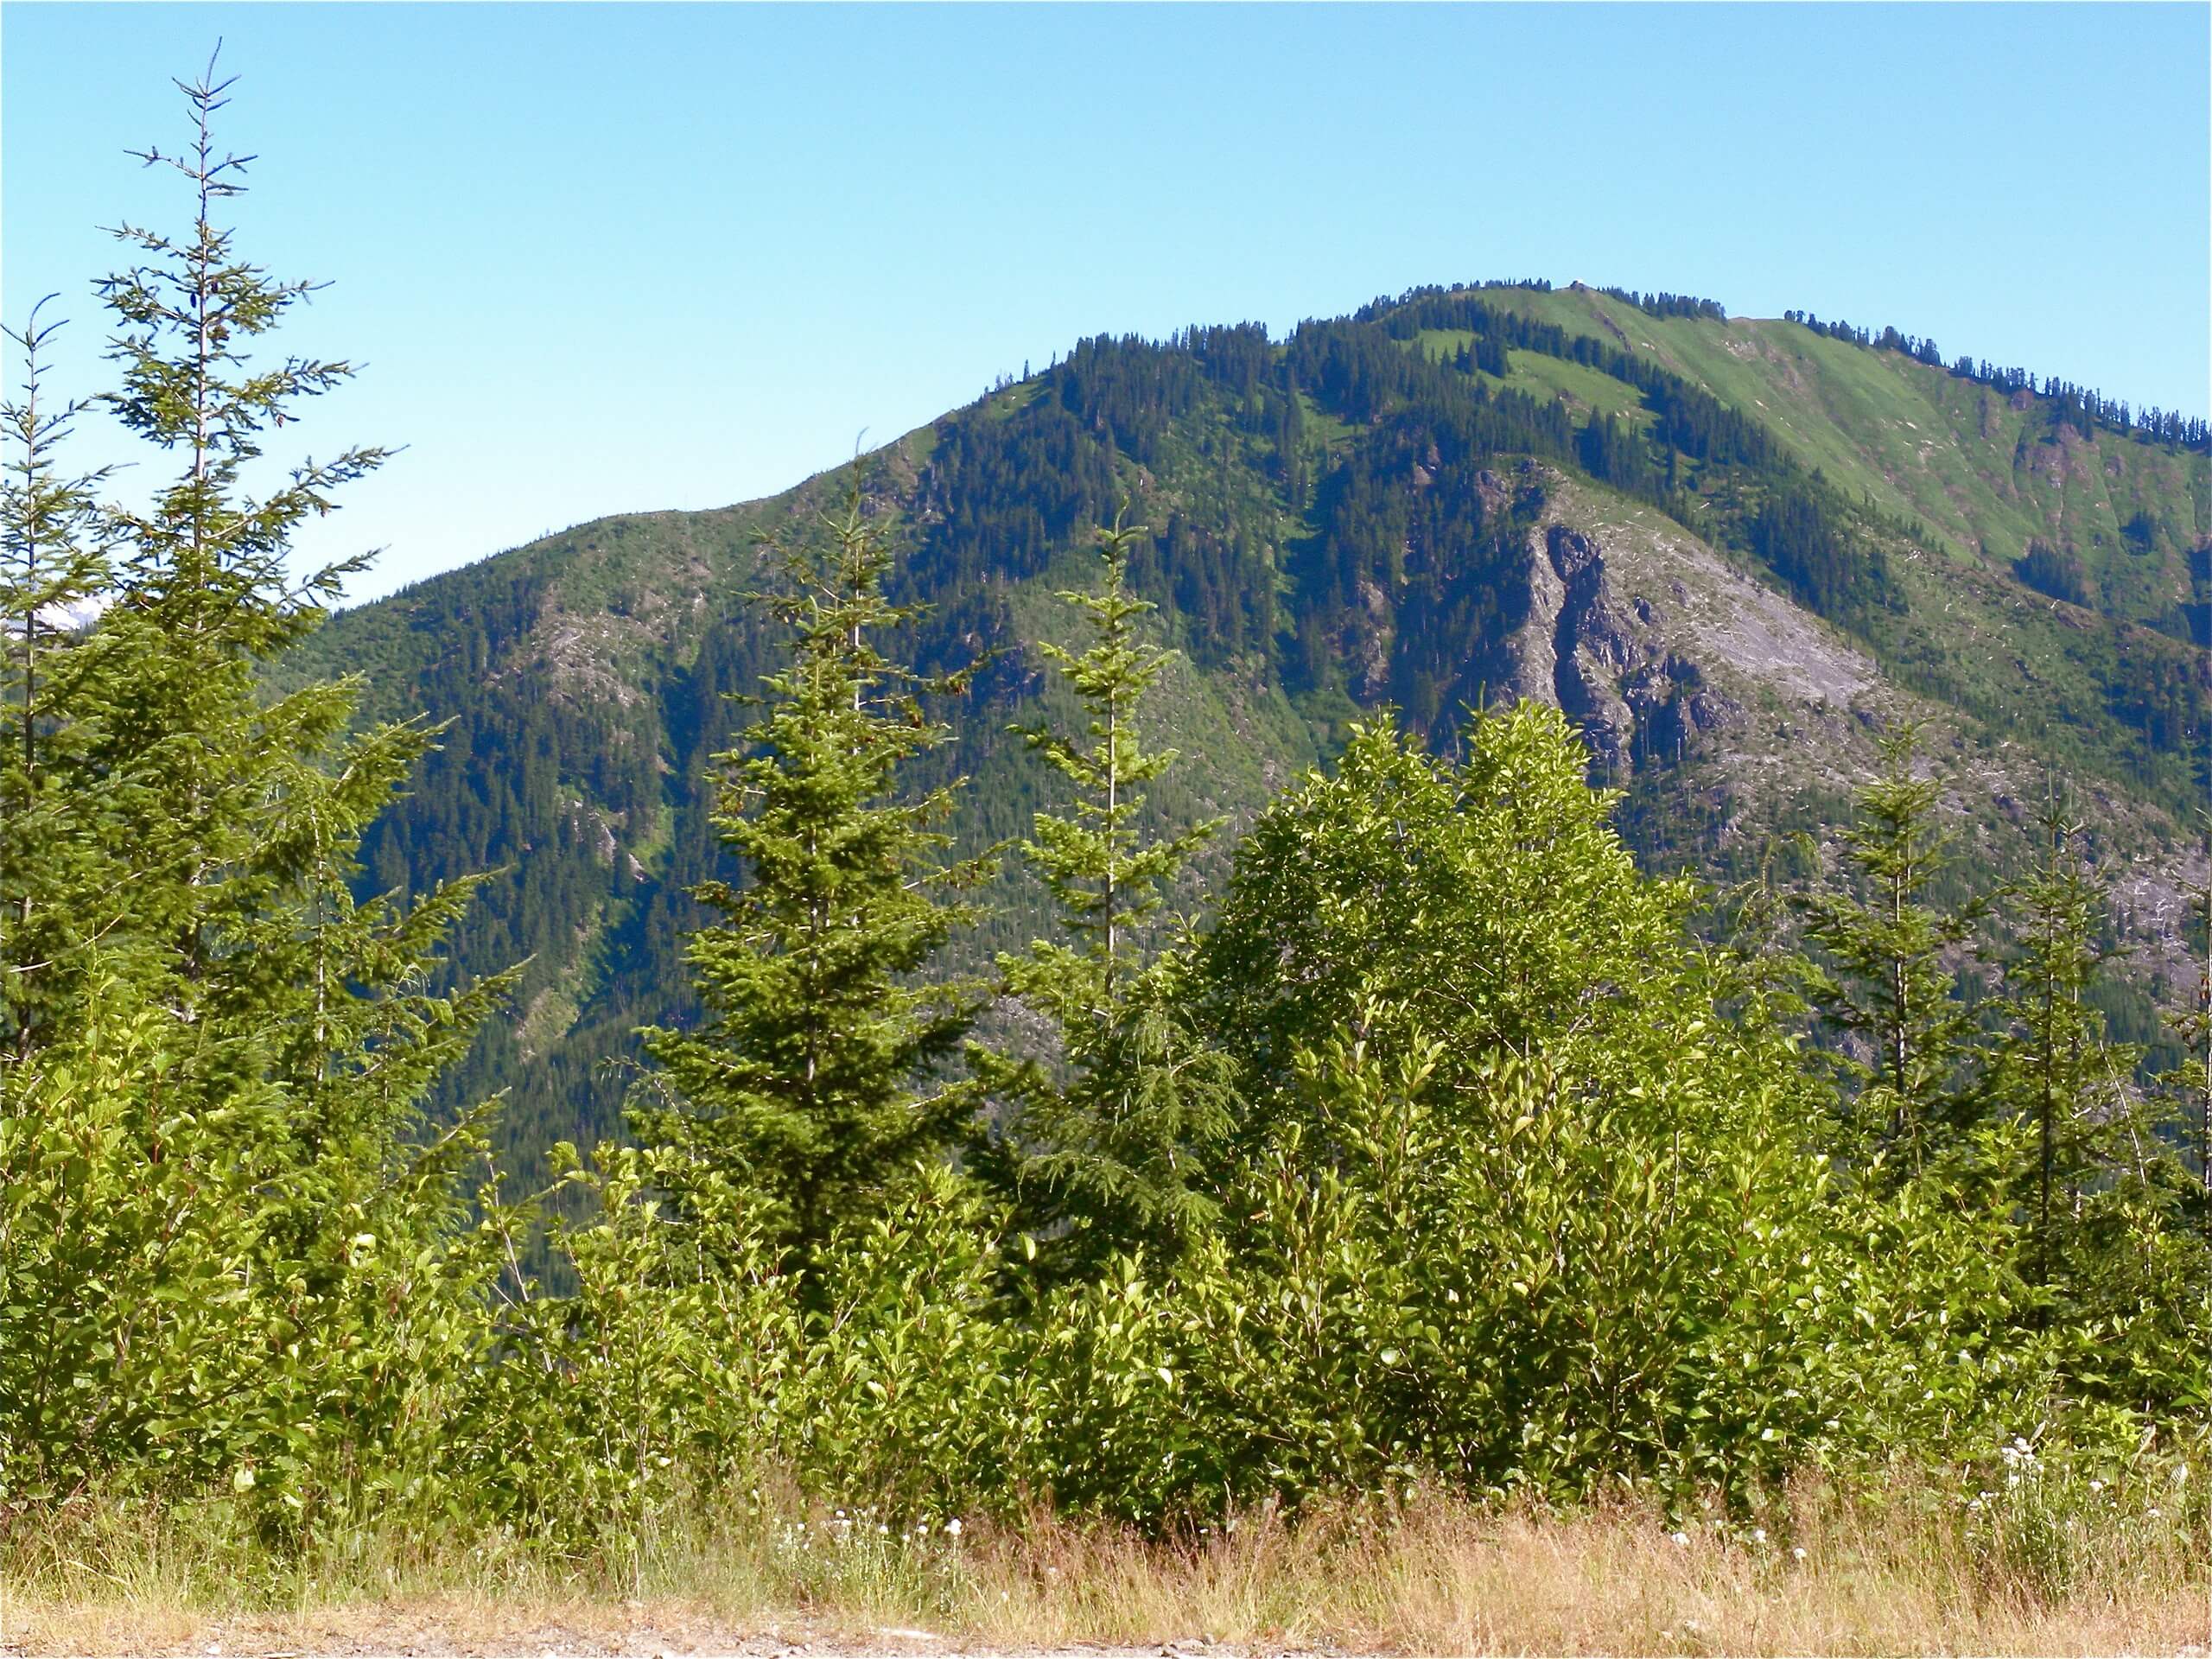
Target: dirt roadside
{"x": 596, "y": 1632}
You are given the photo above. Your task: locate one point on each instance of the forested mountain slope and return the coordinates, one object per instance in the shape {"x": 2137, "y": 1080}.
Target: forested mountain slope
{"x": 1729, "y": 548}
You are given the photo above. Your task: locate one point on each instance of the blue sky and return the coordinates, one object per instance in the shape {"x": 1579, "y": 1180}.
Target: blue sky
{"x": 609, "y": 258}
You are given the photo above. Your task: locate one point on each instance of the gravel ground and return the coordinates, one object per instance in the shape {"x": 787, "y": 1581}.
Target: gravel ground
{"x": 655, "y": 1634}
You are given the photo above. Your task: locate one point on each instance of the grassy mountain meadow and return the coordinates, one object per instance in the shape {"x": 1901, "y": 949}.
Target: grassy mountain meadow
{"x": 1730, "y": 550}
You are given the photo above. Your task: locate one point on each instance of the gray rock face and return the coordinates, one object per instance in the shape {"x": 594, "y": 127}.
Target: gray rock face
{"x": 1606, "y": 662}
{"x": 1596, "y": 643}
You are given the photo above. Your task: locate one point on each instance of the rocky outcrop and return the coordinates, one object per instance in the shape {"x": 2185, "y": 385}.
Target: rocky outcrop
{"x": 1369, "y": 641}
{"x": 1606, "y": 662}
{"x": 1596, "y": 642}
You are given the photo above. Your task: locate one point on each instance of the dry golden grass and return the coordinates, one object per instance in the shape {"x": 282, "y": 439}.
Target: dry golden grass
{"x": 1883, "y": 1575}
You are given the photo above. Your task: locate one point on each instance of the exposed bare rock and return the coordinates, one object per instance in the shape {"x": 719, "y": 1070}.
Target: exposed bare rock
{"x": 1373, "y": 666}
{"x": 1595, "y": 644}
{"x": 1623, "y": 666}
{"x": 1530, "y": 652}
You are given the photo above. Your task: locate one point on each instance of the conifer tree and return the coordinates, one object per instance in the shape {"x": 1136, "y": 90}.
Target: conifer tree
{"x": 816, "y": 1076}
{"x": 1099, "y": 1157}
{"x": 2052, "y": 1067}
{"x": 2186, "y": 1086}
{"x": 1105, "y": 874}
{"x": 2101, "y": 1185}
{"x": 199, "y": 839}
{"x": 246, "y": 811}
{"x": 54, "y": 570}
{"x": 1889, "y": 986}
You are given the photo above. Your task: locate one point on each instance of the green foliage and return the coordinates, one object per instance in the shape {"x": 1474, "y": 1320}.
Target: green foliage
{"x": 229, "y": 1251}
{"x": 2106, "y": 1192}
{"x": 810, "y": 1078}
{"x": 2054, "y": 572}
{"x": 1091, "y": 1158}
{"x": 1109, "y": 1159}
{"x": 2186, "y": 1087}
{"x": 1104, "y": 875}
{"x": 909, "y": 1368}
{"x": 1517, "y": 1199}
{"x": 1487, "y": 903}
{"x": 662, "y": 1372}
{"x": 163, "y": 1321}
{"x": 121, "y": 1329}
{"x": 53, "y": 565}
{"x": 1444, "y": 1153}
{"x": 2053, "y": 1067}
{"x": 1891, "y": 988}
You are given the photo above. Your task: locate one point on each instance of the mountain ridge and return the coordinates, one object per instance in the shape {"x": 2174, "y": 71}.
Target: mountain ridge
{"x": 1731, "y": 549}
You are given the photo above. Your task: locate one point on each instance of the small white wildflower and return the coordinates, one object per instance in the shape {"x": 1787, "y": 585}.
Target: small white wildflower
{"x": 2096, "y": 1485}
{"x": 2152, "y": 1513}
{"x": 1679, "y": 1538}
{"x": 952, "y": 1527}
{"x": 1758, "y": 1534}
{"x": 1798, "y": 1554}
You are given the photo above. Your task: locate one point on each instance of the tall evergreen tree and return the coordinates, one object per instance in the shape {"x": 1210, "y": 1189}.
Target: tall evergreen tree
{"x": 244, "y": 810}
{"x": 1104, "y": 873}
{"x": 2052, "y": 1067}
{"x": 817, "y": 1074}
{"x": 1097, "y": 1156}
{"x": 2186, "y": 1086}
{"x": 2102, "y": 1186}
{"x": 1889, "y": 985}
{"x": 212, "y": 999}
{"x": 53, "y": 571}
